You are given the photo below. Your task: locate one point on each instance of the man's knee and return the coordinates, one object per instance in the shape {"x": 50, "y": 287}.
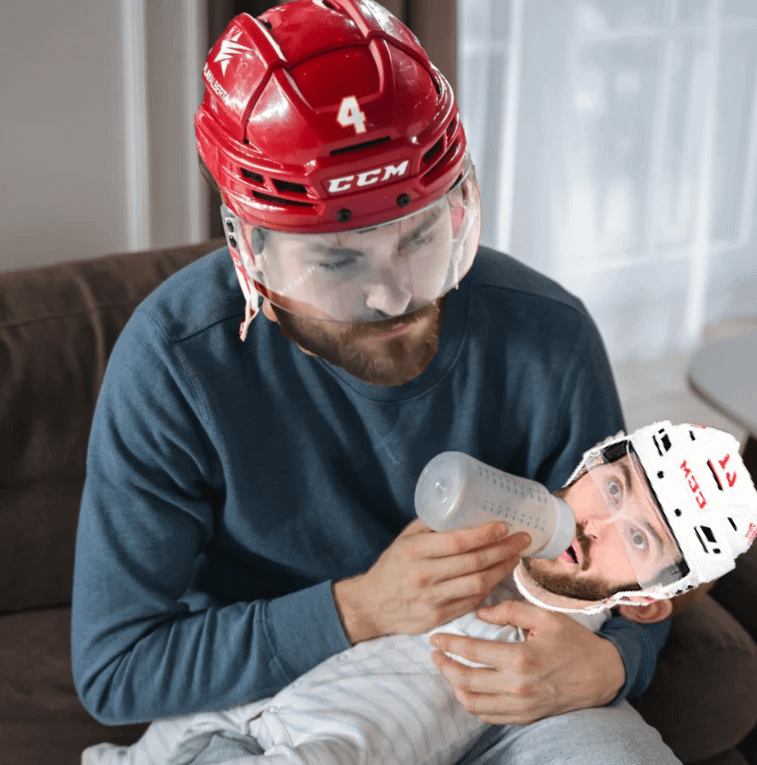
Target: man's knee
{"x": 604, "y": 736}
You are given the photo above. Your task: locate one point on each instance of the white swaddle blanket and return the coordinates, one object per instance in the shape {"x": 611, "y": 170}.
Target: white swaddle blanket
{"x": 380, "y": 702}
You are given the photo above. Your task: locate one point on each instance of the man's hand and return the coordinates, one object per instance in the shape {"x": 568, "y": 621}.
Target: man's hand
{"x": 426, "y": 578}
{"x": 561, "y": 666}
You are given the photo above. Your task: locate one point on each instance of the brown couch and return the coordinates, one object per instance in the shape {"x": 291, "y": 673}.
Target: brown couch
{"x": 57, "y": 327}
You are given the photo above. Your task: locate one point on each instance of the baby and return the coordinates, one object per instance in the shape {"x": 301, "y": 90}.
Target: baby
{"x": 657, "y": 514}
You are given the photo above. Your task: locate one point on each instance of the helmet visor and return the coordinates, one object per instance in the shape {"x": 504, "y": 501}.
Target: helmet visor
{"x": 366, "y": 274}
{"x": 627, "y": 521}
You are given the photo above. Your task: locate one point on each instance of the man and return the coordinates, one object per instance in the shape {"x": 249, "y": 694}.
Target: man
{"x": 248, "y": 505}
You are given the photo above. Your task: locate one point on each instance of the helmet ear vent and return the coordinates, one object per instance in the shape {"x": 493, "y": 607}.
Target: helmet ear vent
{"x": 293, "y": 188}
{"x": 280, "y": 200}
{"x": 252, "y": 176}
{"x": 439, "y": 168}
{"x": 433, "y": 151}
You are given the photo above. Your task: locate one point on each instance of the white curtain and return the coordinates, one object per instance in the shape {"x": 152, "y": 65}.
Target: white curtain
{"x": 616, "y": 148}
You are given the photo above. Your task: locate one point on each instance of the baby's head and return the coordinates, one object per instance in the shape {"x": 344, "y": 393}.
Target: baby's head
{"x": 659, "y": 514}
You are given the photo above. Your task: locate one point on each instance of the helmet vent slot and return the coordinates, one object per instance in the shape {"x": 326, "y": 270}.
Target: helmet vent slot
{"x": 280, "y": 200}
{"x": 253, "y": 176}
{"x": 294, "y": 188}
{"x": 452, "y": 127}
{"x": 714, "y": 475}
{"x": 433, "y": 151}
{"x": 438, "y": 168}
{"x": 358, "y": 146}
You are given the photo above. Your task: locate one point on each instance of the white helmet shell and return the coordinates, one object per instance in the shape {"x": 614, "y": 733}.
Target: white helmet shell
{"x": 705, "y": 492}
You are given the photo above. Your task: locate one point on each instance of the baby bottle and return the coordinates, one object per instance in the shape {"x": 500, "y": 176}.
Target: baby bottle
{"x": 456, "y": 491}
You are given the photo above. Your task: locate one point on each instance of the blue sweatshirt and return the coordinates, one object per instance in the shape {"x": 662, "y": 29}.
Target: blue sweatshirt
{"x": 229, "y": 484}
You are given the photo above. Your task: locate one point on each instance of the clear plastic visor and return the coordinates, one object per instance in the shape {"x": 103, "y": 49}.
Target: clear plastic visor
{"x": 624, "y": 535}
{"x": 367, "y": 274}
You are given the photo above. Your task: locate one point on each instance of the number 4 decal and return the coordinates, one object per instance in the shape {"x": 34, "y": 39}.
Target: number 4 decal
{"x": 350, "y": 114}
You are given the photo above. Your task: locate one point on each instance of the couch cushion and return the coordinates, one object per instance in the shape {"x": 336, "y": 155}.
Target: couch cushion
{"x": 737, "y": 590}
{"x": 41, "y": 718}
{"x": 58, "y": 325}
{"x": 703, "y": 697}
{"x": 37, "y": 537}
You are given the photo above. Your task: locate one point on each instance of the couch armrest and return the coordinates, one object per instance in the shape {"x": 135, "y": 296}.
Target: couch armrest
{"x": 703, "y": 697}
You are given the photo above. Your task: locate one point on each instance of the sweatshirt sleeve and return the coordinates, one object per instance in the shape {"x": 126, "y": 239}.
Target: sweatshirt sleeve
{"x": 639, "y": 646}
{"x": 152, "y": 494}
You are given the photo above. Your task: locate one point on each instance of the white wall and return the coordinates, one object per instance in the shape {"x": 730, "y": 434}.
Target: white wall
{"x": 65, "y": 156}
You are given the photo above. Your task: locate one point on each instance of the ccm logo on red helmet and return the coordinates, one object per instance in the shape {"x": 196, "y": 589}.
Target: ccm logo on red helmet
{"x": 367, "y": 178}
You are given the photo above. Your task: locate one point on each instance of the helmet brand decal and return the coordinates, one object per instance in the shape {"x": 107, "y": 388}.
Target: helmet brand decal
{"x": 215, "y": 86}
{"x": 228, "y": 49}
{"x": 693, "y": 485}
{"x": 367, "y": 178}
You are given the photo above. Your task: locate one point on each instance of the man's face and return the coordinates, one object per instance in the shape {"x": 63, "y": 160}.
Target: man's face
{"x": 384, "y": 279}
{"x": 621, "y": 538}
{"x": 360, "y": 276}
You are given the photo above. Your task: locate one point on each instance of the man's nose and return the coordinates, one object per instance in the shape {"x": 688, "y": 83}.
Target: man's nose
{"x": 390, "y": 295}
{"x": 597, "y": 526}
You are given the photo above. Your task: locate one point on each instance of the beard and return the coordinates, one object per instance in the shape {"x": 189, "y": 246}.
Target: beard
{"x": 357, "y": 349}
{"x": 569, "y": 585}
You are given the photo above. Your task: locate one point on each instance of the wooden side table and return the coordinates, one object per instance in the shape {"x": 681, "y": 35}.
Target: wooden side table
{"x": 724, "y": 374}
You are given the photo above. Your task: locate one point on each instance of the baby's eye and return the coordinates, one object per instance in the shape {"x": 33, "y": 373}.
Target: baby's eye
{"x": 638, "y": 539}
{"x": 615, "y": 490}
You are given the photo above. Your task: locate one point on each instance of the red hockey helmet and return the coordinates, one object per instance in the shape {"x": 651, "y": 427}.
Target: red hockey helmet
{"x": 325, "y": 116}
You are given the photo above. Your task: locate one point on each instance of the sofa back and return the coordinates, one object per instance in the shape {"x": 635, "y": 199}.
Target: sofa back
{"x": 58, "y": 325}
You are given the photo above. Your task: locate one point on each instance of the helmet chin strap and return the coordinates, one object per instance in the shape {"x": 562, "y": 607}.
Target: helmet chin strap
{"x": 531, "y": 596}
{"x": 537, "y": 595}
{"x": 251, "y": 310}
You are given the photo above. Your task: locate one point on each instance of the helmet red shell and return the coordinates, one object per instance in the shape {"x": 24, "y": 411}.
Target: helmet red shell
{"x": 324, "y": 115}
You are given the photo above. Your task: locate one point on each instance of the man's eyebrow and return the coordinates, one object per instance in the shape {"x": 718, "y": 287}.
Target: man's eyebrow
{"x": 327, "y": 249}
{"x": 422, "y": 228}
{"x": 657, "y": 538}
{"x": 330, "y": 250}
{"x": 628, "y": 478}
{"x": 629, "y": 484}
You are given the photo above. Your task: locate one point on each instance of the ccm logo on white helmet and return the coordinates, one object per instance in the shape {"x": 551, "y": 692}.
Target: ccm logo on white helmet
{"x": 367, "y": 178}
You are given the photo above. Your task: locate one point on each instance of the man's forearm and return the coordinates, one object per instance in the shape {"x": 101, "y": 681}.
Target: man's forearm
{"x": 639, "y": 646}
{"x": 193, "y": 662}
